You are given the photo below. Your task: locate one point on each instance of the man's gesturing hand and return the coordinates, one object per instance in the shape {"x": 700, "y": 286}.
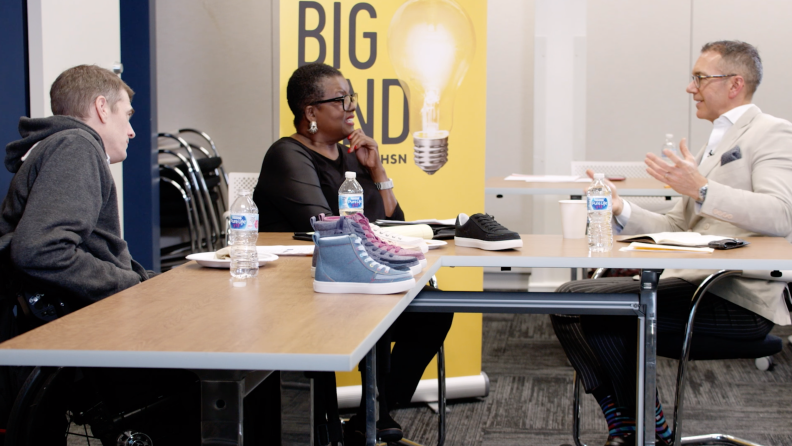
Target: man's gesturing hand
{"x": 683, "y": 175}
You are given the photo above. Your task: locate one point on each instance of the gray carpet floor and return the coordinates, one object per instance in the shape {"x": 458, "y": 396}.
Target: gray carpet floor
{"x": 530, "y": 396}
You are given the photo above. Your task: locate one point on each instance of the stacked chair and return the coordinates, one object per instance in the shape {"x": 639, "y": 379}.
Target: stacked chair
{"x": 193, "y": 187}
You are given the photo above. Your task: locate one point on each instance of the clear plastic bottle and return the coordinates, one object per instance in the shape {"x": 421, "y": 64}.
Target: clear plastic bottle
{"x": 598, "y": 202}
{"x": 669, "y": 144}
{"x": 243, "y": 235}
{"x": 350, "y": 195}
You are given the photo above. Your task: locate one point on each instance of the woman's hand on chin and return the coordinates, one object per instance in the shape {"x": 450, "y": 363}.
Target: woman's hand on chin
{"x": 366, "y": 150}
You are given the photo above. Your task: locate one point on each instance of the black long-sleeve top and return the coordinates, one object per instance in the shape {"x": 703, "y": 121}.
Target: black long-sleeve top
{"x": 297, "y": 183}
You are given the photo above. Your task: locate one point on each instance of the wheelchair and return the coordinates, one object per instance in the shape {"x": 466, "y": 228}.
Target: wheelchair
{"x": 129, "y": 407}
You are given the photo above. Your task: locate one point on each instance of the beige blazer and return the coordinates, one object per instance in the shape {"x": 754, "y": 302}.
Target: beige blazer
{"x": 749, "y": 195}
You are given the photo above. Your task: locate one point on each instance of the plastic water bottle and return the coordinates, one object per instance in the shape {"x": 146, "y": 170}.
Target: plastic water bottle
{"x": 350, "y": 195}
{"x": 242, "y": 237}
{"x": 598, "y": 202}
{"x": 669, "y": 144}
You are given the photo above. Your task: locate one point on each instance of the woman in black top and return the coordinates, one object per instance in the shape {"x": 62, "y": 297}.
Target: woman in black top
{"x": 300, "y": 178}
{"x": 301, "y": 173}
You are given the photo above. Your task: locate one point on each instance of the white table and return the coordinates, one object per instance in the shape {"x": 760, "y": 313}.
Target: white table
{"x": 547, "y": 251}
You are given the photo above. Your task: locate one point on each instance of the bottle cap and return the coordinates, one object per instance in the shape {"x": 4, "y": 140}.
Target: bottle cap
{"x": 669, "y": 136}
{"x": 350, "y": 175}
{"x": 599, "y": 176}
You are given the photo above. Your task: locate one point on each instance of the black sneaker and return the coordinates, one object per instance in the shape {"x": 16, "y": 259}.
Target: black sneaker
{"x": 483, "y": 232}
{"x": 388, "y": 430}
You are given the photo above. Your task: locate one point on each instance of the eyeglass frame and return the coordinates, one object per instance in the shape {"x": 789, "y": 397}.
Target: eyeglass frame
{"x": 353, "y": 100}
{"x": 697, "y": 78}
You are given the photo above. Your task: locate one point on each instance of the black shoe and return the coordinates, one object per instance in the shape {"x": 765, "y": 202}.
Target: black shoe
{"x": 624, "y": 440}
{"x": 662, "y": 442}
{"x": 388, "y": 430}
{"x": 629, "y": 440}
{"x": 483, "y": 232}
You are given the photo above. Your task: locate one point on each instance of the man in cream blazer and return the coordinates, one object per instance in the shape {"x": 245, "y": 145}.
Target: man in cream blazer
{"x": 748, "y": 181}
{"x": 740, "y": 185}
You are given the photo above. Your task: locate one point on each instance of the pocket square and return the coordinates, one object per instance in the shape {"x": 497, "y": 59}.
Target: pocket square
{"x": 732, "y": 155}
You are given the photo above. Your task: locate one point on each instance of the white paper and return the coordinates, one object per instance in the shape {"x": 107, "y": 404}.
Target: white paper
{"x": 691, "y": 239}
{"x": 651, "y": 247}
{"x": 548, "y": 178}
{"x": 449, "y": 221}
{"x": 284, "y": 250}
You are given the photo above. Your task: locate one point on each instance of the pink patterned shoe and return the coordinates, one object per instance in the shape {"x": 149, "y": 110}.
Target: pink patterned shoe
{"x": 397, "y": 250}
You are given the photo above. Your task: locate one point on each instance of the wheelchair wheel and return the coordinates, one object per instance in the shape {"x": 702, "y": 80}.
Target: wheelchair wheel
{"x": 39, "y": 413}
{"x": 107, "y": 407}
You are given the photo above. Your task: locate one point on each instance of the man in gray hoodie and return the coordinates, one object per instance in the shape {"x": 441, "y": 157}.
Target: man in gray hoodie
{"x": 59, "y": 224}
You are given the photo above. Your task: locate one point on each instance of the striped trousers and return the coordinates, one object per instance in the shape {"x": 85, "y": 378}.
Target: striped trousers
{"x": 603, "y": 349}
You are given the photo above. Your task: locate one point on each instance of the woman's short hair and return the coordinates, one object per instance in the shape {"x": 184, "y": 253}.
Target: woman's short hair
{"x": 76, "y": 89}
{"x": 305, "y": 87}
{"x": 739, "y": 58}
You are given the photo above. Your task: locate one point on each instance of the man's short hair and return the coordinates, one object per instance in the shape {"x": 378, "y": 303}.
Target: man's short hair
{"x": 75, "y": 90}
{"x": 739, "y": 58}
{"x": 304, "y": 87}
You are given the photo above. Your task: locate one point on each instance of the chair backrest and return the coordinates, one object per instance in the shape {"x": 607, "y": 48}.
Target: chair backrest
{"x": 239, "y": 181}
{"x": 629, "y": 169}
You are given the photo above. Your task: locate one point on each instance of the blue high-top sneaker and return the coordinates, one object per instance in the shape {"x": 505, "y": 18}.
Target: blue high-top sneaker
{"x": 344, "y": 266}
{"x": 345, "y": 226}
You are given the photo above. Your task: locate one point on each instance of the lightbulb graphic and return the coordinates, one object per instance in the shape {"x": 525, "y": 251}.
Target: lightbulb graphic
{"x": 431, "y": 45}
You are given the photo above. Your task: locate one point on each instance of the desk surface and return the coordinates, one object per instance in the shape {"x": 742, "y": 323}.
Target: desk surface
{"x": 191, "y": 317}
{"x": 630, "y": 187}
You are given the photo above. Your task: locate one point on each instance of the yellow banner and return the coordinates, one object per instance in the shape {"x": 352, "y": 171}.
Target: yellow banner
{"x": 419, "y": 68}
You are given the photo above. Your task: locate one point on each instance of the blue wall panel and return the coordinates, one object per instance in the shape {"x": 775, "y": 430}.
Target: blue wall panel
{"x": 13, "y": 77}
{"x": 141, "y": 174}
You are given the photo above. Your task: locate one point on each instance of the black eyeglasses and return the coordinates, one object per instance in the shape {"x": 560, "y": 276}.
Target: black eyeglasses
{"x": 697, "y": 78}
{"x": 348, "y": 101}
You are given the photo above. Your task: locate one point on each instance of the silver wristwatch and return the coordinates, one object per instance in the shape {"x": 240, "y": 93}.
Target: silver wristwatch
{"x": 702, "y": 193}
{"x": 385, "y": 185}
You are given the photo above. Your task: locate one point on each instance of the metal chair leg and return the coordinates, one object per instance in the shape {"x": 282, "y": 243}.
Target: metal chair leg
{"x": 683, "y": 358}
{"x": 441, "y": 397}
{"x": 716, "y": 439}
{"x": 441, "y": 402}
{"x": 576, "y": 411}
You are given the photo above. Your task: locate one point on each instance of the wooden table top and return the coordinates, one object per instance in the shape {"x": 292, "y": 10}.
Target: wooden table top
{"x": 192, "y": 317}
{"x": 629, "y": 187}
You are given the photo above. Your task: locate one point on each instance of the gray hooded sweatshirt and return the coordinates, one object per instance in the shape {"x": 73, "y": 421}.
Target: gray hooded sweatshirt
{"x": 59, "y": 221}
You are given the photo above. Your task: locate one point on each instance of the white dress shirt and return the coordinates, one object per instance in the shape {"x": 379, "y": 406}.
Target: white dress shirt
{"x": 719, "y": 128}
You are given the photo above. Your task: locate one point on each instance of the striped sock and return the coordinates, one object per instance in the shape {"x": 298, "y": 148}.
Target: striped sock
{"x": 620, "y": 422}
{"x": 661, "y": 426}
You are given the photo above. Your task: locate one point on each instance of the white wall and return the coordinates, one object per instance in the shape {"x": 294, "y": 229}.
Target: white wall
{"x": 640, "y": 55}
{"x": 638, "y": 68}
{"x": 510, "y": 98}
{"x": 764, "y": 24}
{"x": 217, "y": 72}
{"x": 63, "y": 34}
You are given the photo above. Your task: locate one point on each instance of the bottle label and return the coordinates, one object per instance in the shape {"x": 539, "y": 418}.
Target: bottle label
{"x": 350, "y": 201}
{"x": 244, "y": 222}
{"x": 599, "y": 204}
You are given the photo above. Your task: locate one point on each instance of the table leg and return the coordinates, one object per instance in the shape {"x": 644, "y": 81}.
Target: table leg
{"x": 371, "y": 397}
{"x": 647, "y": 357}
{"x": 222, "y": 395}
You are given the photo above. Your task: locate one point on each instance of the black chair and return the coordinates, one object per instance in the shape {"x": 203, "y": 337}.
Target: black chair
{"x": 197, "y": 170}
{"x": 705, "y": 348}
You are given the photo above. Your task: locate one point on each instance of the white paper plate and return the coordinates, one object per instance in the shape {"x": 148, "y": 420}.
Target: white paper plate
{"x": 434, "y": 244}
{"x": 209, "y": 260}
